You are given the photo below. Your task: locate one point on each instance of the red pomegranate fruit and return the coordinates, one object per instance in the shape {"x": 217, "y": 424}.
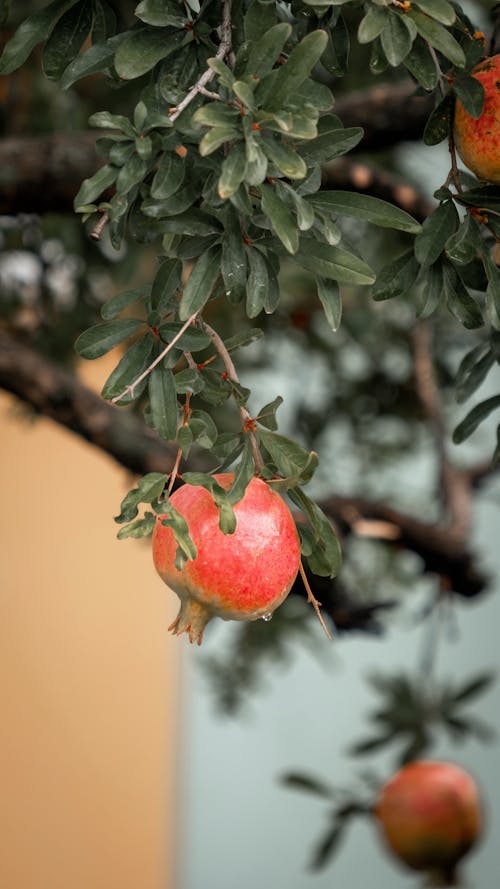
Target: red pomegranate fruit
{"x": 430, "y": 816}
{"x": 478, "y": 140}
{"x": 239, "y": 576}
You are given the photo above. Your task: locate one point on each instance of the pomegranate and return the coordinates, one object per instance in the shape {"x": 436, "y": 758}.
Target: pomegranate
{"x": 478, "y": 140}
{"x": 239, "y": 576}
{"x": 430, "y": 817}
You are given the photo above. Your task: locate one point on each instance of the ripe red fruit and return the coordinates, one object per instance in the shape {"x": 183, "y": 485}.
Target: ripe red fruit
{"x": 239, "y": 576}
{"x": 430, "y": 817}
{"x": 478, "y": 141}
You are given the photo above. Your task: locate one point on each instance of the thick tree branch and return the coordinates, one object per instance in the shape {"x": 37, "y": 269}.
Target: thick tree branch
{"x": 389, "y": 113}
{"x": 56, "y": 393}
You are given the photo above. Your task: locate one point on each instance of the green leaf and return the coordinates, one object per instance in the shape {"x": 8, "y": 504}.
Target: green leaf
{"x": 112, "y": 307}
{"x": 280, "y": 218}
{"x": 166, "y": 284}
{"x": 132, "y": 173}
{"x": 227, "y": 518}
{"x": 440, "y": 10}
{"x": 473, "y": 687}
{"x": 439, "y": 123}
{"x": 105, "y": 119}
{"x": 134, "y": 362}
{"x": 460, "y": 303}
{"x": 306, "y": 783}
{"x": 155, "y": 12}
{"x": 243, "y": 473}
{"x": 163, "y": 402}
{"x": 204, "y": 429}
{"x": 224, "y": 73}
{"x": 98, "y": 57}
{"x": 215, "y": 114}
{"x": 420, "y": 64}
{"x": 267, "y": 414}
{"x": 396, "y": 39}
{"x": 479, "y": 413}
{"x": 232, "y": 171}
{"x": 142, "y": 49}
{"x": 148, "y": 489}
{"x": 256, "y": 162}
{"x": 333, "y": 141}
{"x": 216, "y": 137}
{"x": 186, "y": 548}
{"x": 102, "y": 337}
{"x": 336, "y": 55}
{"x": 365, "y": 207}
{"x": 200, "y": 283}
{"x": 331, "y": 300}
{"x": 169, "y": 176}
{"x": 265, "y": 52}
{"x": 333, "y": 262}
{"x": 257, "y": 283}
{"x": 279, "y": 84}
{"x": 303, "y": 210}
{"x": 284, "y": 158}
{"x": 4, "y": 11}
{"x": 461, "y": 247}
{"x": 327, "y": 846}
{"x": 471, "y": 93}
{"x": 472, "y": 373}
{"x": 438, "y": 36}
{"x": 259, "y": 19}
{"x": 140, "y": 528}
{"x": 293, "y": 462}
{"x": 31, "y": 31}
{"x": 397, "y": 277}
{"x": 372, "y": 24}
{"x": 90, "y": 189}
{"x": 429, "y": 290}
{"x": 325, "y": 557}
{"x": 192, "y": 340}
{"x": 245, "y": 93}
{"x": 436, "y": 230}
{"x": 234, "y": 259}
{"x": 188, "y": 380}
{"x": 66, "y": 39}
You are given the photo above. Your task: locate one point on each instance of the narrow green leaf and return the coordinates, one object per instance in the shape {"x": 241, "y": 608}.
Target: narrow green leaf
{"x": 99, "y": 57}
{"x": 140, "y": 528}
{"x": 112, "y": 307}
{"x": 169, "y": 176}
{"x": 215, "y": 114}
{"x": 420, "y": 64}
{"x": 479, "y": 413}
{"x": 438, "y": 36}
{"x": 293, "y": 461}
{"x": 440, "y": 10}
{"x": 471, "y": 93}
{"x": 288, "y": 162}
{"x": 303, "y": 210}
{"x": 216, "y": 137}
{"x": 372, "y": 24}
{"x": 257, "y": 283}
{"x": 132, "y": 173}
{"x": 470, "y": 378}
{"x": 166, "y": 284}
{"x": 267, "y": 414}
{"x": 243, "y": 473}
{"x": 105, "y": 119}
{"x": 224, "y": 73}
{"x": 306, "y": 783}
{"x": 436, "y": 230}
{"x": 280, "y": 218}
{"x": 282, "y": 82}
{"x": 440, "y": 121}
{"x": 133, "y": 363}
{"x": 142, "y": 49}
{"x": 192, "y": 340}
{"x": 460, "y": 303}
{"x": 429, "y": 289}
{"x": 331, "y": 300}
{"x": 66, "y": 39}
{"x": 396, "y": 39}
{"x": 365, "y": 207}
{"x": 259, "y": 19}
{"x": 256, "y": 165}
{"x": 90, "y": 189}
{"x": 333, "y": 262}
{"x": 265, "y": 52}
{"x": 31, "y": 31}
{"x": 163, "y": 402}
{"x": 200, "y": 283}
{"x": 330, "y": 144}
{"x": 232, "y": 171}
{"x": 234, "y": 259}
{"x": 103, "y": 337}
{"x": 155, "y": 12}
{"x": 397, "y": 277}
{"x": 462, "y": 246}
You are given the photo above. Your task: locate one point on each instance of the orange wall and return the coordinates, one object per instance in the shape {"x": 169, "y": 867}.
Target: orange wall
{"x": 88, "y": 675}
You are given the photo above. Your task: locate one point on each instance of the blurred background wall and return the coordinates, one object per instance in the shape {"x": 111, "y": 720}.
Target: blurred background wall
{"x": 89, "y": 709}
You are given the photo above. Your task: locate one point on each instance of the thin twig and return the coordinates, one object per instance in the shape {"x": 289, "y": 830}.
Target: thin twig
{"x": 313, "y": 600}
{"x": 246, "y": 419}
{"x": 223, "y": 51}
{"x": 130, "y": 389}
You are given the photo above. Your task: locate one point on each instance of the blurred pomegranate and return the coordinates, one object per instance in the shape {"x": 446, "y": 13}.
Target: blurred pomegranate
{"x": 430, "y": 816}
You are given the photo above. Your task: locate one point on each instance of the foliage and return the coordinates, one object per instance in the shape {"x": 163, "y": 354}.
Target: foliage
{"x": 219, "y": 165}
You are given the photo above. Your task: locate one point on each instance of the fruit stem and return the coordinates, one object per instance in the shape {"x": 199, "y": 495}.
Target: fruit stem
{"x": 313, "y": 600}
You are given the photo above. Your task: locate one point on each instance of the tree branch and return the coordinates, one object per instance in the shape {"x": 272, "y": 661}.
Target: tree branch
{"x": 56, "y": 393}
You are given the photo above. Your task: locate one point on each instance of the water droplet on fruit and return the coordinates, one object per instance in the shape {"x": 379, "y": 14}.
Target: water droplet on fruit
{"x": 267, "y": 616}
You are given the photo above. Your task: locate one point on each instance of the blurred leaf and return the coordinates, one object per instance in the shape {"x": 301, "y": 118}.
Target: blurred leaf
{"x": 473, "y": 687}
{"x": 31, "y": 31}
{"x": 299, "y": 781}
{"x": 99, "y": 57}
{"x": 143, "y": 48}
{"x": 66, "y": 39}
{"x": 459, "y": 301}
{"x": 439, "y": 124}
{"x": 327, "y": 846}
{"x": 113, "y": 306}
{"x": 331, "y": 300}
